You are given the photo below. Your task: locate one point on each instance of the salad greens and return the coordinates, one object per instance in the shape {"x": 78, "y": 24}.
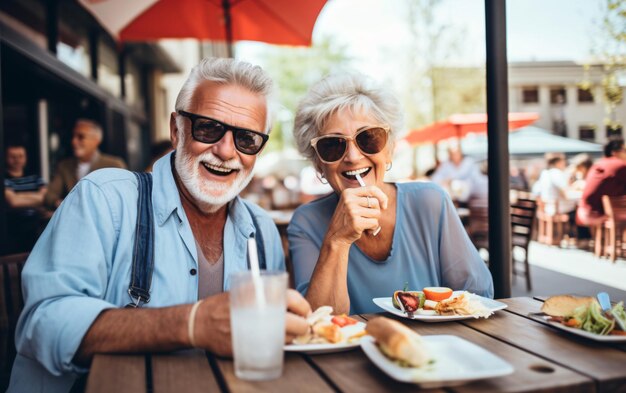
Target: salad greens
{"x": 619, "y": 314}
{"x": 592, "y": 319}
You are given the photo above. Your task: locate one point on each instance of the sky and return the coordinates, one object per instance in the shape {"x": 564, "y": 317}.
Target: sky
{"x": 376, "y": 35}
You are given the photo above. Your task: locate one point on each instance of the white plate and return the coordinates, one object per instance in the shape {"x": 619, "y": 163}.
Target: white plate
{"x": 455, "y": 361}
{"x": 386, "y": 304}
{"x": 580, "y": 332}
{"x": 347, "y": 331}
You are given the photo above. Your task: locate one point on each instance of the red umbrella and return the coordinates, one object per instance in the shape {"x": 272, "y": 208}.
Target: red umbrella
{"x": 285, "y": 22}
{"x": 459, "y": 125}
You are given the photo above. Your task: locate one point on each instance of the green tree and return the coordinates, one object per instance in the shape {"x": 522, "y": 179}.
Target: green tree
{"x": 294, "y": 70}
{"x": 610, "y": 52}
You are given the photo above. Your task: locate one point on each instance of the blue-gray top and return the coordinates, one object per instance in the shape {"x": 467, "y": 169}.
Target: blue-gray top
{"x": 430, "y": 248}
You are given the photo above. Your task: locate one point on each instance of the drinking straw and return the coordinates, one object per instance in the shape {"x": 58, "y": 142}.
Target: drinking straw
{"x": 256, "y": 273}
{"x": 362, "y": 184}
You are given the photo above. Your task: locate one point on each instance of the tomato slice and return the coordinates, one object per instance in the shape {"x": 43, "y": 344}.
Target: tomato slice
{"x": 343, "y": 320}
{"x": 437, "y": 294}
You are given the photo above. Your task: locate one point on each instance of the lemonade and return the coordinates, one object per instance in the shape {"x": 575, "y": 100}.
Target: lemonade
{"x": 258, "y": 337}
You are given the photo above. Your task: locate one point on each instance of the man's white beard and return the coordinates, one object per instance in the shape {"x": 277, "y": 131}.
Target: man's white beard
{"x": 209, "y": 195}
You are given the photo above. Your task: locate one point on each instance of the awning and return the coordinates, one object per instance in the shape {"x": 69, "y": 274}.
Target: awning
{"x": 528, "y": 141}
{"x": 459, "y": 125}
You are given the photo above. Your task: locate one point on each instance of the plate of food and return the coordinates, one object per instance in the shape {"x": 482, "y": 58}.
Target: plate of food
{"x": 328, "y": 333}
{"x": 438, "y": 304}
{"x": 584, "y": 317}
{"x": 430, "y": 361}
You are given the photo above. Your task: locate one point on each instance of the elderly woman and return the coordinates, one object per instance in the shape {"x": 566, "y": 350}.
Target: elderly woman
{"x": 363, "y": 242}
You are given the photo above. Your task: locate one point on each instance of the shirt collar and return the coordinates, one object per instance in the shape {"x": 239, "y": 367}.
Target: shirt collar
{"x": 165, "y": 195}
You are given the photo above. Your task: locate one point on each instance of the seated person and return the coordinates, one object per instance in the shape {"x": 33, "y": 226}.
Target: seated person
{"x": 346, "y": 127}
{"x": 87, "y": 136}
{"x": 77, "y": 279}
{"x": 23, "y": 193}
{"x": 606, "y": 177}
{"x": 461, "y": 176}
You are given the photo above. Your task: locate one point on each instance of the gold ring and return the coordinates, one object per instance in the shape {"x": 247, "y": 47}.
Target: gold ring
{"x": 369, "y": 204}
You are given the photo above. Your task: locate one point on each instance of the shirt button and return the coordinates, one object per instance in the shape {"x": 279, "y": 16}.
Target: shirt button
{"x": 193, "y": 272}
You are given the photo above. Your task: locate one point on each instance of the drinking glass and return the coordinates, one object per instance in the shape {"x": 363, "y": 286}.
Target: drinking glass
{"x": 257, "y": 319}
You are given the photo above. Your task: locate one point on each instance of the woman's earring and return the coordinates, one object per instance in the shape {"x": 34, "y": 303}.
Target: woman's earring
{"x": 389, "y": 165}
{"x": 321, "y": 178}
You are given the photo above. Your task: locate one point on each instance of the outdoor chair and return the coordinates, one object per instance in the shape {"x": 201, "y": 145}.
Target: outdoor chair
{"x": 614, "y": 226}
{"x": 478, "y": 226}
{"x": 11, "y": 304}
{"x": 552, "y": 226}
{"x": 523, "y": 212}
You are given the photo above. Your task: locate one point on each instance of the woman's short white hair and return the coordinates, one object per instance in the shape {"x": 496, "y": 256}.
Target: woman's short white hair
{"x": 353, "y": 91}
{"x": 228, "y": 71}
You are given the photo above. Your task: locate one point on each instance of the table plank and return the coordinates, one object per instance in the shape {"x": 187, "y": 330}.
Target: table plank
{"x": 599, "y": 361}
{"x": 298, "y": 376}
{"x": 531, "y": 373}
{"x": 117, "y": 373}
{"x": 186, "y": 371}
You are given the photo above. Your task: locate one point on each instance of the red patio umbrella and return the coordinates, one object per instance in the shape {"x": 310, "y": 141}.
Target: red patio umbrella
{"x": 459, "y": 125}
{"x": 285, "y": 22}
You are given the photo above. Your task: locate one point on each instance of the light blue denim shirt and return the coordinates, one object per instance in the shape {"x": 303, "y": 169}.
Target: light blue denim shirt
{"x": 81, "y": 266}
{"x": 429, "y": 248}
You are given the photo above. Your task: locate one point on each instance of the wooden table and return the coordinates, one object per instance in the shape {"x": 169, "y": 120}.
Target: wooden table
{"x": 545, "y": 360}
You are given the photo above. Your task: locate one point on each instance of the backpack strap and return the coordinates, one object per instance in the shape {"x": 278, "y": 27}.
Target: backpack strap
{"x": 259, "y": 240}
{"x": 143, "y": 249}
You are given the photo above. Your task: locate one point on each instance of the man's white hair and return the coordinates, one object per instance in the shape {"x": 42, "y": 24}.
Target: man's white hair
{"x": 95, "y": 127}
{"x": 228, "y": 71}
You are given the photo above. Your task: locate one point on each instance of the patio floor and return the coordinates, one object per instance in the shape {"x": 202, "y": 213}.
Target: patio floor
{"x": 556, "y": 270}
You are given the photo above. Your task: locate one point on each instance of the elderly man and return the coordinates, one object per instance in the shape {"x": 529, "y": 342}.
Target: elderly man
{"x": 461, "y": 176}
{"x": 77, "y": 277}
{"x": 86, "y": 138}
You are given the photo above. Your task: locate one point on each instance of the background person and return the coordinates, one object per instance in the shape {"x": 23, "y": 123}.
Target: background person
{"x": 606, "y": 177}
{"x": 86, "y": 138}
{"x": 201, "y": 226}
{"x": 461, "y": 176}
{"x": 23, "y": 193}
{"x": 346, "y": 126}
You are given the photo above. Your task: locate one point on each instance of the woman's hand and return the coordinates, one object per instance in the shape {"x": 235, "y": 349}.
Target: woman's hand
{"x": 358, "y": 210}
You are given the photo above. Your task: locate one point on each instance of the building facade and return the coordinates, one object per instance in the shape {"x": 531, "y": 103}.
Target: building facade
{"x": 570, "y": 98}
{"x": 58, "y": 64}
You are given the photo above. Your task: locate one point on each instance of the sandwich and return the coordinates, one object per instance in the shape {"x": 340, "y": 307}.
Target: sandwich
{"x": 463, "y": 304}
{"x": 564, "y": 305}
{"x": 321, "y": 329}
{"x": 398, "y": 342}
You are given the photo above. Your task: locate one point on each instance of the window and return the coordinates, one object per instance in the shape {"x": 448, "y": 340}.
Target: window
{"x": 530, "y": 95}
{"x": 585, "y": 95}
{"x": 557, "y": 95}
{"x": 108, "y": 68}
{"x": 613, "y": 130}
{"x": 587, "y": 132}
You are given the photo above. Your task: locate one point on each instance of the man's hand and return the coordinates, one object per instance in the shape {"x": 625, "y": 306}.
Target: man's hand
{"x": 212, "y": 325}
{"x": 297, "y": 309}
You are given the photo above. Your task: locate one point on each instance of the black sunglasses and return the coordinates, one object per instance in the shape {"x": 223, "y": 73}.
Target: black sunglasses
{"x": 207, "y": 130}
{"x": 332, "y": 148}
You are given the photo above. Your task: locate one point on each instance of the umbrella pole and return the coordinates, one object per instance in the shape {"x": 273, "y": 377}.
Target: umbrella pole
{"x": 228, "y": 27}
{"x": 498, "y": 148}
